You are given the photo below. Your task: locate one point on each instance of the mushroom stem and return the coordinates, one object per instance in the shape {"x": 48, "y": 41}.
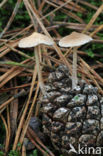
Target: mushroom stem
{"x": 39, "y": 70}
{"x": 74, "y": 74}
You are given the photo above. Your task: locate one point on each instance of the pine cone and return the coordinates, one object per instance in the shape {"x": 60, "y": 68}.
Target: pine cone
{"x": 72, "y": 117}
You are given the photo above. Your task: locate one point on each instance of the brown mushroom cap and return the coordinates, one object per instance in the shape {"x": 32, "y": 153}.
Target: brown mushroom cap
{"x": 34, "y": 40}
{"x": 74, "y": 39}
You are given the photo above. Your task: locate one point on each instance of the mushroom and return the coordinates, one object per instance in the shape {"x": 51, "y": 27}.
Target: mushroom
{"x": 34, "y": 40}
{"x": 73, "y": 40}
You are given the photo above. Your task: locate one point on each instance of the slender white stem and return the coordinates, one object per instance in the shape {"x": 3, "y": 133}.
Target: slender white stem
{"x": 74, "y": 73}
{"x": 39, "y": 70}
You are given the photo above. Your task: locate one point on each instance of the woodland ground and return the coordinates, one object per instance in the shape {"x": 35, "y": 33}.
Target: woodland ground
{"x": 19, "y": 85}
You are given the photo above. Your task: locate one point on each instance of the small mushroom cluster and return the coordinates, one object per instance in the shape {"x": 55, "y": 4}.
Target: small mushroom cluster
{"x": 73, "y": 40}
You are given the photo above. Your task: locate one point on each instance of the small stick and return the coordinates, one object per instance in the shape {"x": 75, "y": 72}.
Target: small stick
{"x": 11, "y": 18}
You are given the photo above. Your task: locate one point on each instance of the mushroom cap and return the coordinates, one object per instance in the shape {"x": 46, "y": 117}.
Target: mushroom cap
{"x": 35, "y": 39}
{"x": 74, "y": 39}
